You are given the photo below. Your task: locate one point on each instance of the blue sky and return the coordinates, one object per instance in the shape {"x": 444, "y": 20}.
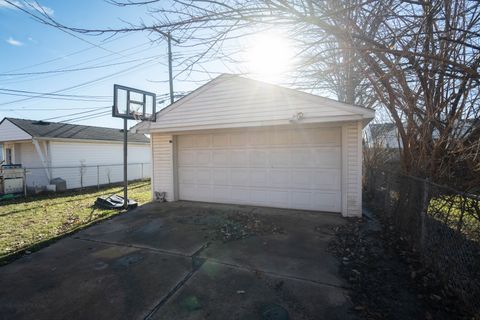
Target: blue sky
{"x": 27, "y": 47}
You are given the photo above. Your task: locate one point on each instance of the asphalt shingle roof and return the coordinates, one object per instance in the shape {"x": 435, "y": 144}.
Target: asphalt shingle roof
{"x": 44, "y": 129}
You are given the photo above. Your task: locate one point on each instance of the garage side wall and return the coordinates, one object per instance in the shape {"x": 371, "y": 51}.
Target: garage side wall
{"x": 162, "y": 160}
{"x": 352, "y": 169}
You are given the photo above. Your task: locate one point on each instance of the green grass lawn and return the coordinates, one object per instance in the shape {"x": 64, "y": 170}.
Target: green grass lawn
{"x": 459, "y": 213}
{"x": 27, "y": 222}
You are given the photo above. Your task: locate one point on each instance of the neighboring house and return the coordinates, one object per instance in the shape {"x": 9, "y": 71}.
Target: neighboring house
{"x": 386, "y": 134}
{"x": 383, "y": 135}
{"x": 72, "y": 152}
{"x": 241, "y": 141}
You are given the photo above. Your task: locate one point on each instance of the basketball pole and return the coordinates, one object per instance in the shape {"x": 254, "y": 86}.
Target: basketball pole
{"x": 170, "y": 72}
{"x": 125, "y": 164}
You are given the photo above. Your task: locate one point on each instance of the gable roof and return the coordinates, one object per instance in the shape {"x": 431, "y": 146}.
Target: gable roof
{"x": 232, "y": 101}
{"x": 59, "y": 130}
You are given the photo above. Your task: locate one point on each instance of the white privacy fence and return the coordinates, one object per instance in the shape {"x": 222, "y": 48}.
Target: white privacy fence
{"x": 85, "y": 175}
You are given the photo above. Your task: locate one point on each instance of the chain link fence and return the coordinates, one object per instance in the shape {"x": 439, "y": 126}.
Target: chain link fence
{"x": 441, "y": 223}
{"x": 37, "y": 178}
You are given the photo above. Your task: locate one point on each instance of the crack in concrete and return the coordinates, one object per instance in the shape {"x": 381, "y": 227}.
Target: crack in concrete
{"x": 275, "y": 274}
{"x": 119, "y": 244}
{"x": 197, "y": 263}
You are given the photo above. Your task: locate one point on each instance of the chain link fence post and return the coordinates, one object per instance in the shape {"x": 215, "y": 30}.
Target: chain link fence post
{"x": 98, "y": 177}
{"x": 424, "y": 211}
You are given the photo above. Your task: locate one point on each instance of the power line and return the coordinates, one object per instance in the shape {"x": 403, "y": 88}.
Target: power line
{"x": 65, "y": 56}
{"x": 52, "y": 98}
{"x": 81, "y": 84}
{"x": 46, "y": 109}
{"x": 23, "y": 79}
{"x": 54, "y": 94}
{"x": 90, "y": 116}
{"x": 77, "y": 113}
{"x": 76, "y": 69}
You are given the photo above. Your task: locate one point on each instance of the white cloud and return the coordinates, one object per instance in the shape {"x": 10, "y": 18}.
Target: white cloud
{"x": 39, "y": 7}
{"x": 30, "y": 5}
{"x": 14, "y": 42}
{"x": 5, "y": 4}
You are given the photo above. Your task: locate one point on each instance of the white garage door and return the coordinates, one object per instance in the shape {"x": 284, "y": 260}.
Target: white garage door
{"x": 299, "y": 169}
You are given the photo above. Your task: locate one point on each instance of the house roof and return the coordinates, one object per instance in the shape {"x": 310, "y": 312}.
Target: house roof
{"x": 230, "y": 101}
{"x": 59, "y": 130}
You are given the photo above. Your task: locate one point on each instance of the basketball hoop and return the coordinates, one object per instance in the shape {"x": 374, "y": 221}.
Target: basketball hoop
{"x": 131, "y": 104}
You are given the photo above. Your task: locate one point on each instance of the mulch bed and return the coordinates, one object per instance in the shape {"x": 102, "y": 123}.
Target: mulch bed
{"x": 387, "y": 279}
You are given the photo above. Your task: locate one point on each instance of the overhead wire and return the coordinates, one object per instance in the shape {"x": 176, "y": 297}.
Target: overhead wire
{"x": 76, "y": 113}
{"x": 83, "y": 84}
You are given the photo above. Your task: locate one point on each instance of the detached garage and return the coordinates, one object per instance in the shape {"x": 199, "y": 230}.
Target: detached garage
{"x": 241, "y": 141}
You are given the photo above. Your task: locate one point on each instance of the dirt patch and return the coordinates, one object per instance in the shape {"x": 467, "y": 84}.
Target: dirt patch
{"x": 242, "y": 225}
{"x": 233, "y": 226}
{"x": 387, "y": 279}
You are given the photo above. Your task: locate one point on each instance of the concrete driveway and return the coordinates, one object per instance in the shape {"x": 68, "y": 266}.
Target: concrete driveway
{"x": 184, "y": 260}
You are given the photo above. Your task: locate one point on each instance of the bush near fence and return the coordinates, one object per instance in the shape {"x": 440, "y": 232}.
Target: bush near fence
{"x": 87, "y": 175}
{"x": 442, "y": 224}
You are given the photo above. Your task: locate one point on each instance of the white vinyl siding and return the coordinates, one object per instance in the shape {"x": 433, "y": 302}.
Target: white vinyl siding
{"x": 10, "y": 132}
{"x": 30, "y": 159}
{"x": 352, "y": 169}
{"x": 239, "y": 102}
{"x": 78, "y": 162}
{"x": 162, "y": 161}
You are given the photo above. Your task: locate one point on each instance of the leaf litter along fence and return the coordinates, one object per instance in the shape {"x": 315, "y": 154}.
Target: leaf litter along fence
{"x": 441, "y": 223}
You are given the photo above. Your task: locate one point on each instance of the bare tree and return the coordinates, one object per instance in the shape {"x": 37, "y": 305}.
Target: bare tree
{"x": 416, "y": 59}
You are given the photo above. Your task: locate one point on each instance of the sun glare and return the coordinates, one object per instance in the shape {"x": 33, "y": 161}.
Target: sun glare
{"x": 269, "y": 56}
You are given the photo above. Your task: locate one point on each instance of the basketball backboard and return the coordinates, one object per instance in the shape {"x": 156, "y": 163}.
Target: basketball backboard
{"x": 134, "y": 104}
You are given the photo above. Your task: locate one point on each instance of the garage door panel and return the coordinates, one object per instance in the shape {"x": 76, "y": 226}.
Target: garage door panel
{"x": 202, "y": 140}
{"x": 186, "y": 158}
{"x": 220, "y": 158}
{"x": 258, "y": 158}
{"x": 326, "y": 179}
{"x": 259, "y": 196}
{"x": 221, "y": 194}
{"x": 238, "y": 158}
{"x": 327, "y": 157}
{"x": 330, "y": 201}
{"x": 238, "y": 139}
{"x": 279, "y": 198}
{"x": 220, "y": 176}
{"x": 220, "y": 140}
{"x": 203, "y": 176}
{"x": 239, "y": 177}
{"x": 279, "y": 178}
{"x": 259, "y": 138}
{"x": 258, "y": 177}
{"x": 302, "y": 158}
{"x": 301, "y": 179}
{"x": 301, "y": 200}
{"x": 240, "y": 195}
{"x": 203, "y": 158}
{"x": 187, "y": 175}
{"x": 186, "y": 141}
{"x": 280, "y": 157}
{"x": 278, "y": 168}
{"x": 279, "y": 137}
